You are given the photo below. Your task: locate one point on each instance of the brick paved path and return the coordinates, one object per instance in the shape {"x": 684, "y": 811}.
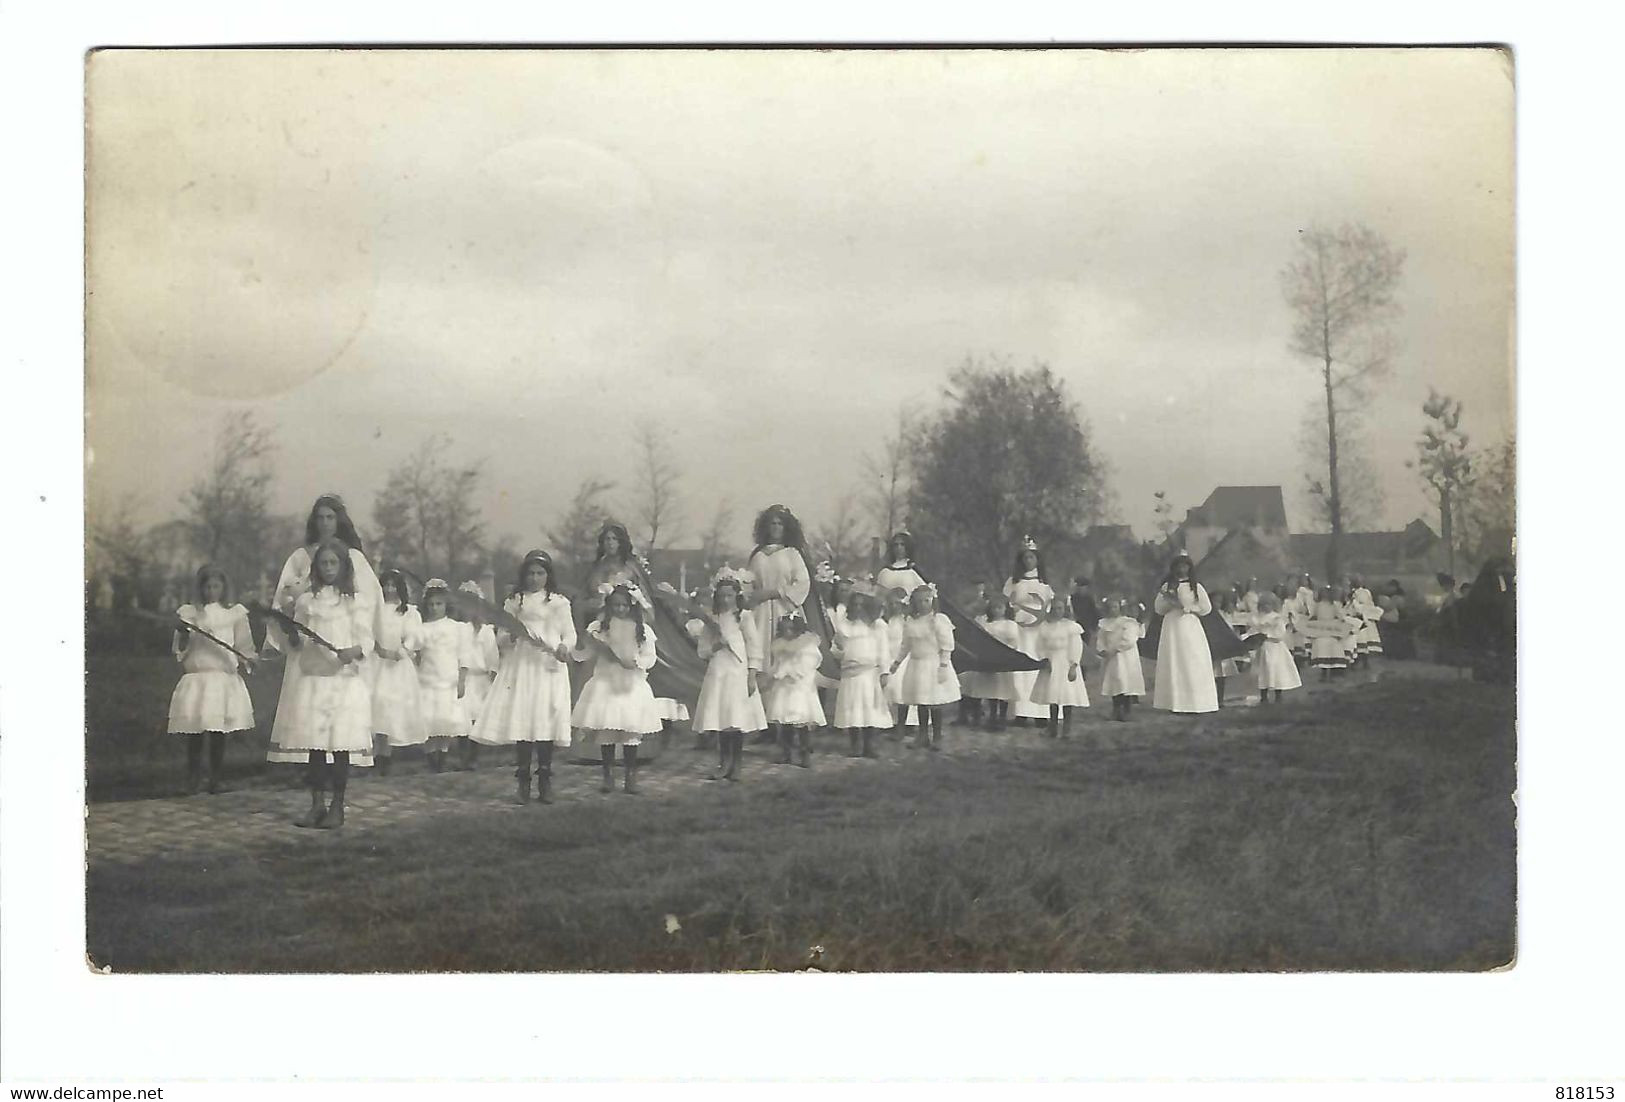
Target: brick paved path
{"x": 239, "y": 822}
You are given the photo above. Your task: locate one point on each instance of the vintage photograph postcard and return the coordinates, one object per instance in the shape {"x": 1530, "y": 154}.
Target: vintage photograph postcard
{"x": 862, "y": 510}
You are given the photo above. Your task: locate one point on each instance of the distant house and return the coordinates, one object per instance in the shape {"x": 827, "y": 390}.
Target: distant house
{"x": 1241, "y": 532}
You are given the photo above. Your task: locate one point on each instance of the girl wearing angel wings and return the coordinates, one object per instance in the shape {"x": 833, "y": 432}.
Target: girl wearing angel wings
{"x": 730, "y": 700}
{"x": 617, "y": 705}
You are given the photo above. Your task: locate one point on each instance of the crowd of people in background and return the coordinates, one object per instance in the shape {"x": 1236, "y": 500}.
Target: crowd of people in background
{"x": 374, "y": 663}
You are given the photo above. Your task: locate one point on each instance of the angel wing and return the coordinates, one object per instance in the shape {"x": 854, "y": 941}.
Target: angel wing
{"x": 288, "y": 623}
{"x": 479, "y": 608}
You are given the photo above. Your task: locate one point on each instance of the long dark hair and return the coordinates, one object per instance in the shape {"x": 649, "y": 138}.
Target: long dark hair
{"x": 204, "y": 573}
{"x": 738, "y": 603}
{"x": 1018, "y": 570}
{"x": 793, "y": 536}
{"x": 398, "y": 580}
{"x": 621, "y": 534}
{"x": 345, "y": 530}
{"x": 346, "y": 579}
{"x": 908, "y": 547}
{"x": 636, "y": 610}
{"x": 1172, "y": 578}
{"x": 546, "y": 560}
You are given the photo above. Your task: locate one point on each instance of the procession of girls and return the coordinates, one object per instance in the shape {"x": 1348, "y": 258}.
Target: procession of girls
{"x": 369, "y": 671}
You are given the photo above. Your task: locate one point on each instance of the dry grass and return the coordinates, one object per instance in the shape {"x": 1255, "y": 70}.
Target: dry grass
{"x": 1328, "y": 835}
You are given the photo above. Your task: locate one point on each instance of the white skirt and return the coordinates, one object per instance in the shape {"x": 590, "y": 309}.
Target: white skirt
{"x": 210, "y": 700}
{"x": 617, "y": 706}
{"x": 1276, "y": 669}
{"x": 893, "y": 686}
{"x": 1125, "y": 675}
{"x": 926, "y": 683}
{"x": 1328, "y": 653}
{"x": 443, "y": 713}
{"x": 795, "y": 704}
{"x": 726, "y": 702}
{"x": 475, "y": 692}
{"x": 331, "y": 712}
{"x": 1369, "y": 638}
{"x": 396, "y": 712}
{"x": 1021, "y": 704}
{"x": 860, "y": 702}
{"x": 1052, "y": 687}
{"x": 528, "y": 702}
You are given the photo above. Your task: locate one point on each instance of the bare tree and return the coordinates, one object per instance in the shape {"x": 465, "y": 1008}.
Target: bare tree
{"x": 1360, "y": 495}
{"x": 1341, "y": 287}
{"x": 658, "y": 505}
{"x": 118, "y": 551}
{"x": 888, "y": 477}
{"x": 1444, "y": 463}
{"x": 428, "y": 515}
{"x": 1492, "y": 502}
{"x": 575, "y": 536}
{"x": 228, "y": 507}
{"x": 840, "y": 538}
{"x": 716, "y": 542}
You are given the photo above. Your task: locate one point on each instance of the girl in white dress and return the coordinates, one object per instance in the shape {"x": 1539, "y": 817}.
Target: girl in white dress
{"x": 1327, "y": 645}
{"x": 443, "y": 661}
{"x": 211, "y": 697}
{"x": 996, "y": 688}
{"x": 328, "y": 519}
{"x": 896, "y": 580}
{"x": 1226, "y": 668}
{"x": 1118, "y": 640}
{"x": 617, "y": 705}
{"x": 730, "y": 702}
{"x": 1276, "y": 669}
{"x": 1184, "y": 660}
{"x": 792, "y": 697}
{"x": 330, "y": 713}
{"x": 528, "y": 706}
{"x": 926, "y": 658}
{"x": 1029, "y": 594}
{"x": 1300, "y": 609}
{"x": 483, "y": 658}
{"x": 1060, "y": 683}
{"x": 397, "y": 718}
{"x": 860, "y": 643}
{"x": 1369, "y": 640}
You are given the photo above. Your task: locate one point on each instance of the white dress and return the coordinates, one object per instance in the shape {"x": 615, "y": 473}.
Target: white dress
{"x": 1300, "y": 610}
{"x": 482, "y": 665}
{"x": 1118, "y": 641}
{"x": 1061, "y": 642}
{"x": 731, "y": 650}
{"x": 603, "y": 570}
{"x": 293, "y": 581}
{"x": 617, "y": 705}
{"x": 994, "y": 684}
{"x": 1276, "y": 669}
{"x": 1184, "y": 660}
{"x": 331, "y": 705}
{"x": 211, "y": 695}
{"x": 927, "y": 643}
{"x": 901, "y": 576}
{"x": 1369, "y": 640}
{"x": 396, "y": 711}
{"x": 1027, "y": 591}
{"x": 860, "y": 701}
{"x": 530, "y": 699}
{"x": 777, "y": 569}
{"x": 792, "y": 695}
{"x": 443, "y": 650}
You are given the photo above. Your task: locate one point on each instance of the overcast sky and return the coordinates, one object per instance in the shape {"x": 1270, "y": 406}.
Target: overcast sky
{"x": 770, "y": 252}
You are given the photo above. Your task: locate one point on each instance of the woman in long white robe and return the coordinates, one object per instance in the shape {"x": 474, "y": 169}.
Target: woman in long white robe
{"x": 1026, "y": 590}
{"x": 328, "y": 519}
{"x": 1184, "y": 660}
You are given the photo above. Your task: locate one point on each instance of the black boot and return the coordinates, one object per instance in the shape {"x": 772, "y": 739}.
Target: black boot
{"x": 544, "y": 773}
{"x": 1066, "y": 722}
{"x": 606, "y": 756}
{"x": 786, "y": 739}
{"x": 852, "y": 750}
{"x": 1218, "y": 690}
{"x": 869, "y": 743}
{"x": 804, "y": 739}
{"x": 194, "y": 764}
{"x": 316, "y": 772}
{"x": 217, "y": 761}
{"x": 631, "y": 783}
{"x": 341, "y": 778}
{"x": 936, "y": 729}
{"x": 736, "y": 754}
{"x": 521, "y": 772}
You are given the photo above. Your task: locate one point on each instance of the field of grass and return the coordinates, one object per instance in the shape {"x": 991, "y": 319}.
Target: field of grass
{"x": 1364, "y": 831}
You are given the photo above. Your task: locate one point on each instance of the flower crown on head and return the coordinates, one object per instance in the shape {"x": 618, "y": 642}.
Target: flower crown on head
{"x": 435, "y": 583}
{"x": 1028, "y": 543}
{"x": 824, "y": 571}
{"x": 744, "y": 579}
{"x": 606, "y": 588}
{"x": 336, "y": 499}
{"x": 473, "y": 587}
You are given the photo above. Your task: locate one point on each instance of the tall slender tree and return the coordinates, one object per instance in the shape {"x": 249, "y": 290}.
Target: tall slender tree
{"x": 228, "y": 507}
{"x": 1341, "y": 286}
{"x": 657, "y": 485}
{"x": 1444, "y": 463}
